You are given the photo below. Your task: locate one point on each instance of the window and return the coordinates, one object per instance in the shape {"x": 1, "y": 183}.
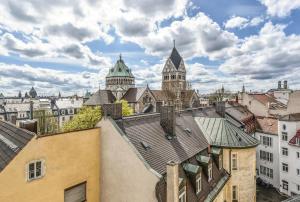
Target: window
{"x": 71, "y": 111}
{"x": 198, "y": 184}
{"x": 298, "y": 141}
{"x": 266, "y": 156}
{"x": 35, "y": 170}
{"x": 284, "y": 151}
{"x": 267, "y": 141}
{"x": 298, "y": 171}
{"x": 268, "y": 172}
{"x": 182, "y": 195}
{"x": 234, "y": 193}
{"x": 284, "y": 136}
{"x": 75, "y": 193}
{"x": 284, "y": 127}
{"x": 298, "y": 155}
{"x": 298, "y": 187}
{"x": 285, "y": 185}
{"x": 285, "y": 167}
{"x": 234, "y": 161}
{"x": 210, "y": 172}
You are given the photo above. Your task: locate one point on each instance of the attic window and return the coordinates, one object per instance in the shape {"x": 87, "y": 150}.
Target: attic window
{"x": 188, "y": 130}
{"x": 145, "y": 145}
{"x": 120, "y": 70}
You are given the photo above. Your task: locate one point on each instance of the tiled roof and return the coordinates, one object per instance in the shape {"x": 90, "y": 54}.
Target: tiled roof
{"x": 162, "y": 95}
{"x": 266, "y": 98}
{"x": 147, "y": 129}
{"x": 12, "y": 141}
{"x": 220, "y": 132}
{"x": 133, "y": 94}
{"x": 267, "y": 125}
{"x": 293, "y": 141}
{"x": 175, "y": 58}
{"x": 238, "y": 111}
{"x": 101, "y": 97}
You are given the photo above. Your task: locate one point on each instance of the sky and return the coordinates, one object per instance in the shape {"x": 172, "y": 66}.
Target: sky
{"x": 68, "y": 46}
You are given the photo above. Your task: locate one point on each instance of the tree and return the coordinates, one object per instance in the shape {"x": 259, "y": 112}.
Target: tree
{"x": 126, "y": 109}
{"x": 87, "y": 118}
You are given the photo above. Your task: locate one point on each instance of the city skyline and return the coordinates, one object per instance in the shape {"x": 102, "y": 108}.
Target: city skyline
{"x": 69, "y": 46}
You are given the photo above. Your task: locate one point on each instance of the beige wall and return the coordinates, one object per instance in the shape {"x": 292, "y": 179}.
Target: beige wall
{"x": 70, "y": 158}
{"x": 256, "y": 107}
{"x": 123, "y": 171}
{"x": 245, "y": 176}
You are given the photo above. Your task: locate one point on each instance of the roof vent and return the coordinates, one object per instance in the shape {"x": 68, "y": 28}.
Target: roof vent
{"x": 145, "y": 145}
{"x": 188, "y": 130}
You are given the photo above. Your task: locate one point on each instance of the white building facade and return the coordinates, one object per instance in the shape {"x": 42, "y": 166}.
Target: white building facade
{"x": 289, "y": 154}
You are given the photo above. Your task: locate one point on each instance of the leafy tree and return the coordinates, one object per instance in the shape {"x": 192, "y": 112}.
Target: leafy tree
{"x": 126, "y": 109}
{"x": 87, "y": 117}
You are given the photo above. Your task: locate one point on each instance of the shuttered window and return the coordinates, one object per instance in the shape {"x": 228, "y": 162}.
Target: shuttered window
{"x": 76, "y": 193}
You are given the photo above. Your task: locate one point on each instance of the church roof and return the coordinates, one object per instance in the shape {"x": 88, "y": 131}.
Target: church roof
{"x": 101, "y": 97}
{"x": 134, "y": 94}
{"x": 175, "y": 58}
{"x": 120, "y": 70}
{"x": 222, "y": 133}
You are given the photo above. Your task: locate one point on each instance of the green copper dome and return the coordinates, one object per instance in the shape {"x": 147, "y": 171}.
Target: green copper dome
{"x": 120, "y": 70}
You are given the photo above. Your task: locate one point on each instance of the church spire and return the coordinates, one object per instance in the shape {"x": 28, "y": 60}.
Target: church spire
{"x": 174, "y": 43}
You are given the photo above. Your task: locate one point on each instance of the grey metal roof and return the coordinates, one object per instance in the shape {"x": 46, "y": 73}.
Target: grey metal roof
{"x": 175, "y": 58}
{"x": 293, "y": 199}
{"x": 134, "y": 94}
{"x": 221, "y": 132}
{"x": 147, "y": 129}
{"x": 191, "y": 168}
{"x": 12, "y": 140}
{"x": 101, "y": 97}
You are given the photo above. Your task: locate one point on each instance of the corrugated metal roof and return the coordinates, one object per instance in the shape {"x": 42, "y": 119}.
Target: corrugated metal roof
{"x": 220, "y": 132}
{"x": 12, "y": 140}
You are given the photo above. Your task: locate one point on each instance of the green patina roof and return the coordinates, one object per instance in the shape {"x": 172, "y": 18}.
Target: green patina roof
{"x": 215, "y": 150}
{"x": 202, "y": 159}
{"x": 120, "y": 70}
{"x": 222, "y": 133}
{"x": 191, "y": 168}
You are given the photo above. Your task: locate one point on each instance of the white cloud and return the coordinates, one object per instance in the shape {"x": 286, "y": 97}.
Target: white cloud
{"x": 241, "y": 22}
{"x": 280, "y": 8}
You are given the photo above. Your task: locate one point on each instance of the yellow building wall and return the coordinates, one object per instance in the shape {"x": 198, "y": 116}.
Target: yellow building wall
{"x": 244, "y": 177}
{"x": 70, "y": 158}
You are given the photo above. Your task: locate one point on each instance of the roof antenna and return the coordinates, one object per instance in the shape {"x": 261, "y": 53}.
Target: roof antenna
{"x": 174, "y": 42}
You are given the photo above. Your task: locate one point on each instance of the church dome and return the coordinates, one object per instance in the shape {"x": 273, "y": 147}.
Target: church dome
{"x": 32, "y": 93}
{"x": 120, "y": 70}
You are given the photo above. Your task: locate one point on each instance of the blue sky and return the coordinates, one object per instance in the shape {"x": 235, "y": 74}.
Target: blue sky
{"x": 69, "y": 46}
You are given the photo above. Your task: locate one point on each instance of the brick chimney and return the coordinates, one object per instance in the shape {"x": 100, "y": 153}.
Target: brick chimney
{"x": 112, "y": 110}
{"x": 285, "y": 85}
{"x": 172, "y": 182}
{"x": 30, "y": 125}
{"x": 279, "y": 84}
{"x": 168, "y": 119}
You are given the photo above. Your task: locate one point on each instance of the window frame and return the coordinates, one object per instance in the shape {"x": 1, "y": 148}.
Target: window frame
{"x": 182, "y": 196}
{"x": 210, "y": 172}
{"x": 234, "y": 159}
{"x": 284, "y": 136}
{"x": 284, "y": 151}
{"x": 198, "y": 183}
{"x": 235, "y": 189}
{"x": 285, "y": 184}
{"x": 41, "y": 170}
{"x": 285, "y": 167}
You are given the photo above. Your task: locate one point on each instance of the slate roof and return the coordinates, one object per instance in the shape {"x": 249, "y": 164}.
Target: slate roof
{"x": 147, "y": 129}
{"x": 162, "y": 95}
{"x": 101, "y": 97}
{"x": 134, "y": 94}
{"x": 267, "y": 125}
{"x": 290, "y": 117}
{"x": 266, "y": 98}
{"x": 175, "y": 58}
{"x": 120, "y": 70}
{"x": 237, "y": 111}
{"x": 221, "y": 132}
{"x": 17, "y": 107}
{"x": 293, "y": 199}
{"x": 12, "y": 141}
{"x": 68, "y": 103}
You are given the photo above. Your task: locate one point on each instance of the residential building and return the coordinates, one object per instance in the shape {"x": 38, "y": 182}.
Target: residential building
{"x": 267, "y": 152}
{"x": 282, "y": 92}
{"x": 67, "y": 108}
{"x": 62, "y": 167}
{"x": 289, "y": 153}
{"x": 191, "y": 155}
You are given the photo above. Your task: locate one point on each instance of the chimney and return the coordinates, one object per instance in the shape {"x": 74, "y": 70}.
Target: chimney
{"x": 285, "y": 86}
{"x": 13, "y": 119}
{"x": 31, "y": 110}
{"x": 220, "y": 108}
{"x": 279, "y": 84}
{"x": 172, "y": 182}
{"x": 112, "y": 110}
{"x": 30, "y": 125}
{"x": 167, "y": 120}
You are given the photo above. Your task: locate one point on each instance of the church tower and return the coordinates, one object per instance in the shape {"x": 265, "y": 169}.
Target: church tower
{"x": 174, "y": 73}
{"x": 119, "y": 79}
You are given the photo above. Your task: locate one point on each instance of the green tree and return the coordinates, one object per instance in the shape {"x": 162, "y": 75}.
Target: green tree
{"x": 126, "y": 109}
{"x": 87, "y": 117}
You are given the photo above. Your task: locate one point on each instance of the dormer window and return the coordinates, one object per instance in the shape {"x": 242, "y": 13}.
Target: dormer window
{"x": 198, "y": 184}
{"x": 210, "y": 175}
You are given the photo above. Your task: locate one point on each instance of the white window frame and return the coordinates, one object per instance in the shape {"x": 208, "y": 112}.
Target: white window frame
{"x": 285, "y": 184}
{"x": 220, "y": 161}
{"x": 210, "y": 174}
{"x": 236, "y": 161}
{"x": 198, "y": 184}
{"x": 42, "y": 171}
{"x": 285, "y": 165}
{"x": 284, "y": 136}
{"x": 182, "y": 196}
{"x": 284, "y": 151}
